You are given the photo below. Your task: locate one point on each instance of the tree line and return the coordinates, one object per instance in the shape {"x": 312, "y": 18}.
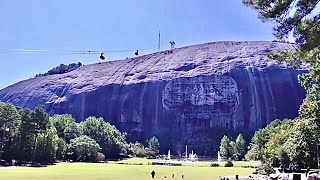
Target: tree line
{"x": 62, "y": 68}
{"x": 285, "y": 141}
{"x": 235, "y": 150}
{"x": 32, "y": 136}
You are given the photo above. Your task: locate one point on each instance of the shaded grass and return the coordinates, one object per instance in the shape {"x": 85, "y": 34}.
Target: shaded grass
{"x": 106, "y": 171}
{"x": 235, "y": 163}
{"x": 144, "y": 161}
{"x": 197, "y": 163}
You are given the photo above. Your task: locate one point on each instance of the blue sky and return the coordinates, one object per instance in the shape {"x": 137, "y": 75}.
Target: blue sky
{"x": 107, "y": 25}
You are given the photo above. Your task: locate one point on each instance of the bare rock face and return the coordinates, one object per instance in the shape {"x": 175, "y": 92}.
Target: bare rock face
{"x": 188, "y": 96}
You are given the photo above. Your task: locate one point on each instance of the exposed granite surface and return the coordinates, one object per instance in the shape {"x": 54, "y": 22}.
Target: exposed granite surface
{"x": 180, "y": 95}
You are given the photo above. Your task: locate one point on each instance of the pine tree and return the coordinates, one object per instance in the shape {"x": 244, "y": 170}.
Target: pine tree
{"x": 225, "y": 148}
{"x": 300, "y": 18}
{"x": 153, "y": 143}
{"x": 240, "y": 146}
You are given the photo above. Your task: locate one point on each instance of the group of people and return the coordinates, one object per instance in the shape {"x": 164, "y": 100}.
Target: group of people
{"x": 291, "y": 168}
{"x": 153, "y": 174}
{"x": 294, "y": 168}
{"x": 223, "y": 178}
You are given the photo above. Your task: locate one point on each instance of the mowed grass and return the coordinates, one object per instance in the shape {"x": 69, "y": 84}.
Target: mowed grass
{"x": 144, "y": 161}
{"x": 107, "y": 171}
{"x": 222, "y": 163}
{"x": 196, "y": 163}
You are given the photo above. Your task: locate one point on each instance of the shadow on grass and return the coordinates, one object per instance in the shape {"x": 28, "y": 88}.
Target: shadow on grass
{"x": 28, "y": 164}
{"x": 40, "y": 165}
{"x": 119, "y": 158}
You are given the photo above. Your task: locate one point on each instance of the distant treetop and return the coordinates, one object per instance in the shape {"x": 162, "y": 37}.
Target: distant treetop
{"x": 62, "y": 68}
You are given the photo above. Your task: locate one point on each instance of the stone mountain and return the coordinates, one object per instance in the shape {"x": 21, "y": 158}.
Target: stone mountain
{"x": 189, "y": 96}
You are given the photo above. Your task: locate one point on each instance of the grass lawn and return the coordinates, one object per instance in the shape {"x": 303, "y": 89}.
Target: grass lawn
{"x": 197, "y": 163}
{"x": 144, "y": 161}
{"x": 107, "y": 171}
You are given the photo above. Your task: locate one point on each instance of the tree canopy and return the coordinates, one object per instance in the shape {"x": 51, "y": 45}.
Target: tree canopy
{"x": 300, "y": 19}
{"x": 233, "y": 149}
{"x": 62, "y": 68}
{"x": 66, "y": 126}
{"x": 84, "y": 148}
{"x": 153, "y": 143}
{"x": 108, "y": 136}
{"x": 294, "y": 141}
{"x": 225, "y": 147}
{"x": 285, "y": 141}
{"x": 32, "y": 136}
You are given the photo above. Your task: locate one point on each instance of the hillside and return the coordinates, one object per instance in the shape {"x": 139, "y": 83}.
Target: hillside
{"x": 183, "y": 96}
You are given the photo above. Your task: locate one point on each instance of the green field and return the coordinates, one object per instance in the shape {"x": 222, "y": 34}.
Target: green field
{"x": 111, "y": 171}
{"x": 197, "y": 163}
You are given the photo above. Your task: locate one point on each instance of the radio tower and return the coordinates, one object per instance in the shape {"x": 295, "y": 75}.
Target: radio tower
{"x": 159, "y": 42}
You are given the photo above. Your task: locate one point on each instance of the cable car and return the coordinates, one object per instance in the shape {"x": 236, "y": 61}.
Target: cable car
{"x": 102, "y": 56}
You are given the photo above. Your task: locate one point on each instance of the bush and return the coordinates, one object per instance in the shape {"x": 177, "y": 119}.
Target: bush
{"x": 228, "y": 164}
{"x": 138, "y": 150}
{"x": 150, "y": 153}
{"x": 214, "y": 165}
{"x": 265, "y": 169}
{"x": 100, "y": 157}
{"x": 175, "y": 164}
{"x": 252, "y": 167}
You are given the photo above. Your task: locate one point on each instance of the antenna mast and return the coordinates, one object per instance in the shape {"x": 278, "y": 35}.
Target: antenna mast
{"x": 159, "y": 42}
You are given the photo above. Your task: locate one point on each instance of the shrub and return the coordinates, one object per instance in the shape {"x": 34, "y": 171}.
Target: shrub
{"x": 175, "y": 164}
{"x": 214, "y": 165}
{"x": 266, "y": 168}
{"x": 252, "y": 167}
{"x": 228, "y": 164}
{"x": 100, "y": 157}
{"x": 150, "y": 153}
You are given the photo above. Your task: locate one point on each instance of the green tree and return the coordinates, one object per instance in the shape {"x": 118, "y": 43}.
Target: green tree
{"x": 61, "y": 149}
{"x": 258, "y": 150}
{"x": 274, "y": 147}
{"x": 9, "y": 118}
{"x": 283, "y": 157}
{"x": 24, "y": 141}
{"x": 84, "y": 148}
{"x": 300, "y": 18}
{"x": 153, "y": 143}
{"x": 9, "y": 123}
{"x": 137, "y": 149}
{"x": 225, "y": 148}
{"x": 233, "y": 150}
{"x": 110, "y": 139}
{"x": 293, "y": 140}
{"x": 66, "y": 126}
{"x": 240, "y": 146}
{"x": 291, "y": 16}
{"x": 301, "y": 144}
{"x": 47, "y": 146}
{"x": 40, "y": 121}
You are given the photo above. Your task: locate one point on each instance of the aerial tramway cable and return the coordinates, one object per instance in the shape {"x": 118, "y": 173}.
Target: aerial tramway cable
{"x": 82, "y": 52}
